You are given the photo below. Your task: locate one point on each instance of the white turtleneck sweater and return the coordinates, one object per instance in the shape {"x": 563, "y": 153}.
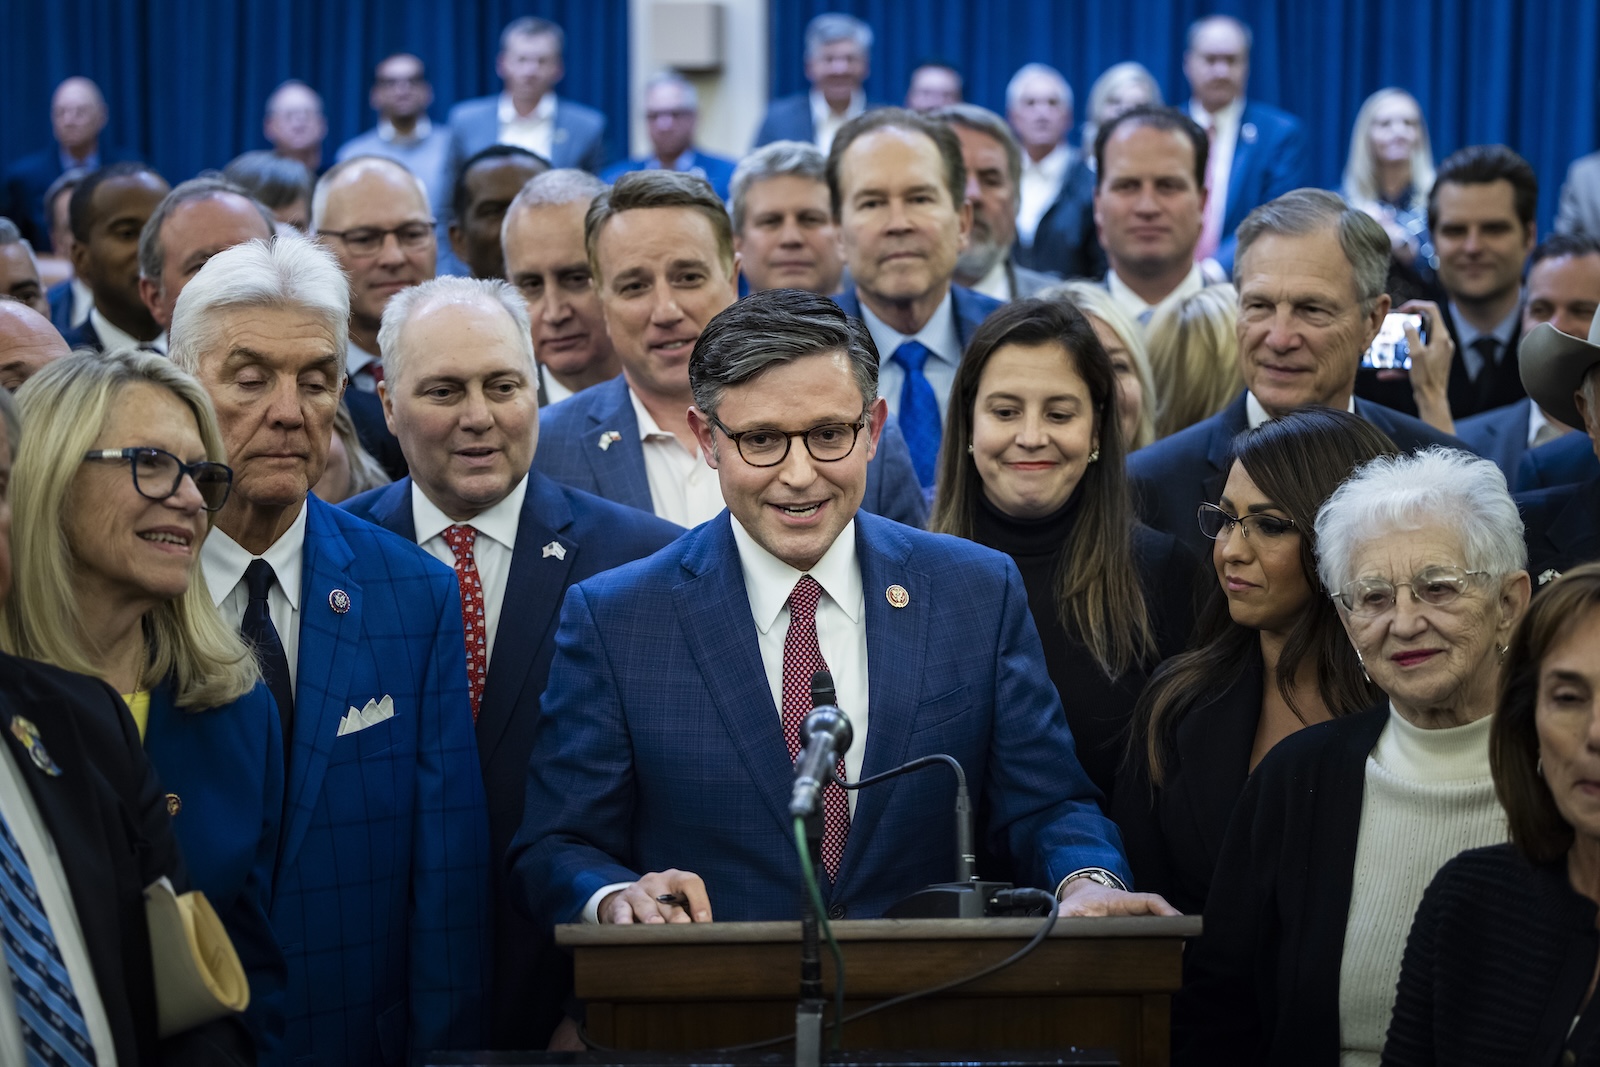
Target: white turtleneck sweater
{"x": 1428, "y": 796}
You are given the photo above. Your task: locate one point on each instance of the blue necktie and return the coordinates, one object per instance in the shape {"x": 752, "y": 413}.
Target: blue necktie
{"x": 53, "y": 1030}
{"x": 919, "y": 411}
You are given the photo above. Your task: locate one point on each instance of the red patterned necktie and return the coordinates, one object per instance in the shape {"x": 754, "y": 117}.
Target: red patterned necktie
{"x": 801, "y": 659}
{"x": 461, "y": 538}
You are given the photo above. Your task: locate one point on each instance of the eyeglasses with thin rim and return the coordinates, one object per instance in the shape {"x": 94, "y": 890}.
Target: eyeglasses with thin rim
{"x": 1218, "y": 524}
{"x": 366, "y": 241}
{"x": 1435, "y": 586}
{"x": 767, "y": 446}
{"x": 157, "y": 474}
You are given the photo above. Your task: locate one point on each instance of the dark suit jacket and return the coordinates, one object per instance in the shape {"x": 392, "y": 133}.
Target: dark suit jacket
{"x": 60, "y": 297}
{"x": 714, "y": 169}
{"x": 660, "y": 745}
{"x": 372, "y": 430}
{"x": 579, "y": 139}
{"x": 1174, "y": 476}
{"x": 1065, "y": 242}
{"x": 596, "y": 535}
{"x": 788, "y": 118}
{"x": 1562, "y": 527}
{"x": 107, "y": 814}
{"x": 1567, "y": 460}
{"x": 83, "y": 335}
{"x": 1174, "y": 834}
{"x": 576, "y": 449}
{"x": 1269, "y": 159}
{"x": 24, "y": 184}
{"x": 970, "y": 310}
{"x": 225, "y": 765}
{"x": 1262, "y": 984}
{"x": 1500, "y": 434}
{"x": 1467, "y": 397}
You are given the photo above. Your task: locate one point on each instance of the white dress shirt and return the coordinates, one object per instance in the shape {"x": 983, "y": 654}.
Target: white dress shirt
{"x": 358, "y": 367}
{"x": 1134, "y": 305}
{"x": 1224, "y": 127}
{"x": 491, "y": 552}
{"x": 683, "y": 487}
{"x": 1255, "y": 414}
{"x": 938, "y": 335}
{"x": 50, "y": 879}
{"x": 113, "y": 338}
{"x": 554, "y": 391}
{"x": 826, "y": 123}
{"x": 1038, "y": 189}
{"x": 223, "y": 561}
{"x": 997, "y": 283}
{"x": 841, "y": 637}
{"x": 535, "y": 131}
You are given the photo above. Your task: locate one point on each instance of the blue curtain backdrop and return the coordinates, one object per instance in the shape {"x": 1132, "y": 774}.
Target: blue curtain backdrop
{"x": 187, "y": 80}
{"x": 1525, "y": 73}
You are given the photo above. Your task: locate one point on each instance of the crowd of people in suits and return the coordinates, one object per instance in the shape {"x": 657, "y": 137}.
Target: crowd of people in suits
{"x": 422, "y": 552}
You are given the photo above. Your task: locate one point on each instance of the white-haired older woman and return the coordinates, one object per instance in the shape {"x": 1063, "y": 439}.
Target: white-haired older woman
{"x": 118, "y": 475}
{"x": 1344, "y": 824}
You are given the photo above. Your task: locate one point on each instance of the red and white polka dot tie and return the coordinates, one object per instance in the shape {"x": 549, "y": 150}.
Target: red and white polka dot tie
{"x": 801, "y": 659}
{"x": 461, "y": 538}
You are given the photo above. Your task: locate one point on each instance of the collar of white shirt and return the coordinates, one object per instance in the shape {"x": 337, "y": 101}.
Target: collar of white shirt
{"x": 648, "y": 427}
{"x": 543, "y": 111}
{"x": 768, "y": 580}
{"x": 554, "y": 391}
{"x": 1225, "y": 121}
{"x": 499, "y": 521}
{"x": 223, "y": 560}
{"x": 1052, "y": 167}
{"x": 938, "y": 335}
{"x": 997, "y": 283}
{"x": 1255, "y": 414}
{"x": 356, "y": 359}
{"x": 112, "y": 338}
{"x": 1134, "y": 304}
{"x": 422, "y": 131}
{"x": 822, "y": 112}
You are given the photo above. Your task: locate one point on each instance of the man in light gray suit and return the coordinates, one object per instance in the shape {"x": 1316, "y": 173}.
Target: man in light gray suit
{"x": 528, "y": 113}
{"x": 1580, "y": 198}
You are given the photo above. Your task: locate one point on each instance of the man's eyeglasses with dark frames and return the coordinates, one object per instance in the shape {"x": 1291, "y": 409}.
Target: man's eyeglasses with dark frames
{"x": 157, "y": 474}
{"x": 767, "y": 446}
{"x": 368, "y": 240}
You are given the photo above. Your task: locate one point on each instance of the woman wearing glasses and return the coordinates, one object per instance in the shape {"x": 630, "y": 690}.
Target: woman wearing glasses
{"x": 1031, "y": 464}
{"x": 1343, "y": 826}
{"x": 1269, "y": 656}
{"x": 113, "y": 487}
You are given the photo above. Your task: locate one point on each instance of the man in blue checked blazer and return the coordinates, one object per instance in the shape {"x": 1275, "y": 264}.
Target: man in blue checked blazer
{"x": 661, "y": 763}
{"x": 381, "y": 899}
{"x": 467, "y": 416}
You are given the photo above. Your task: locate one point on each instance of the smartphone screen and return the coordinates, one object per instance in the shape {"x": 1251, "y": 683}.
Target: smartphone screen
{"x": 1389, "y": 350}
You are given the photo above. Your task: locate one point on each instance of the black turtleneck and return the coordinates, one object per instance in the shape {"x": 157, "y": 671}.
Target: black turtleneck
{"x": 1098, "y": 708}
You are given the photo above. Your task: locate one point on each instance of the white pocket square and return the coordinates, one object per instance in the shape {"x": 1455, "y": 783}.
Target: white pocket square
{"x": 375, "y": 712}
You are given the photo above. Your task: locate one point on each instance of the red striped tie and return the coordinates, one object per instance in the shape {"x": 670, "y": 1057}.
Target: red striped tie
{"x": 801, "y": 659}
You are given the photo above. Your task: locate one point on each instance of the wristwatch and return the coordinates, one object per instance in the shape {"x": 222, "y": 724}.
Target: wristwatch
{"x": 1097, "y": 875}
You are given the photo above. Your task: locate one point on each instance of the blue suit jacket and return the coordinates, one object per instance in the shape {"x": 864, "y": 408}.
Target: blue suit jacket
{"x": 1065, "y": 242}
{"x": 60, "y": 297}
{"x": 225, "y": 766}
{"x": 578, "y": 142}
{"x": 1567, "y": 460}
{"x": 382, "y": 899}
{"x": 661, "y": 747}
{"x": 1562, "y": 527}
{"x": 1174, "y": 476}
{"x": 1269, "y": 159}
{"x": 971, "y": 309}
{"x": 1500, "y": 434}
{"x": 597, "y": 535}
{"x": 572, "y": 431}
{"x": 24, "y": 184}
{"x": 714, "y": 169}
{"x": 788, "y": 118}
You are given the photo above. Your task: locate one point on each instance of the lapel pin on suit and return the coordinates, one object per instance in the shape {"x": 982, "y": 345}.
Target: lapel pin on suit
{"x": 339, "y": 601}
{"x": 1549, "y": 576}
{"x": 897, "y": 596}
{"x": 1247, "y": 133}
{"x": 609, "y": 438}
{"x": 174, "y": 804}
{"x": 556, "y": 549}
{"x": 28, "y": 735}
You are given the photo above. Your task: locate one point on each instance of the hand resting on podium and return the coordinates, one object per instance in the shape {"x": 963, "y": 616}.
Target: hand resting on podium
{"x": 1083, "y": 897}
{"x": 639, "y": 902}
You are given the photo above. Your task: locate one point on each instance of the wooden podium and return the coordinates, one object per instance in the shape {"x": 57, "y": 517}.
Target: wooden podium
{"x": 1105, "y": 982}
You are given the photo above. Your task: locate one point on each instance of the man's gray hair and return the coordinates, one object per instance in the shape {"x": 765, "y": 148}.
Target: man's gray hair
{"x": 982, "y": 120}
{"x": 672, "y": 77}
{"x": 9, "y": 234}
{"x": 1029, "y": 70}
{"x": 1391, "y": 497}
{"x": 292, "y": 83}
{"x": 1591, "y": 400}
{"x": 1307, "y": 211}
{"x": 479, "y": 292}
{"x": 773, "y": 327}
{"x": 551, "y": 189}
{"x": 778, "y": 159}
{"x": 319, "y": 195}
{"x": 290, "y": 272}
{"x": 152, "y": 253}
{"x": 832, "y": 26}
{"x": 1200, "y": 23}
{"x": 532, "y": 26}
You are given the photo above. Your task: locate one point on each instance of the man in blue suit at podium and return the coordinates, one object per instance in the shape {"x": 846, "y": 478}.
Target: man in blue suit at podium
{"x": 663, "y": 762}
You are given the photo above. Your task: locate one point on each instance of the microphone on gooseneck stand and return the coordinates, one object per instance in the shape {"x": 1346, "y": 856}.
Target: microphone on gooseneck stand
{"x": 827, "y": 736}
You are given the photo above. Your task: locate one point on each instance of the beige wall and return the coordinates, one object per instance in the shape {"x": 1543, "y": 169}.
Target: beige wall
{"x": 733, "y": 101}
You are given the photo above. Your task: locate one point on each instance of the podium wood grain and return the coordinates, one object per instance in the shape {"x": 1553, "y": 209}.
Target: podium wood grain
{"x": 1093, "y": 983}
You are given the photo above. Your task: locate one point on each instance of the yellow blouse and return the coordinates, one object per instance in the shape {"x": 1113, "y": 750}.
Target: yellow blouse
{"x": 139, "y": 706}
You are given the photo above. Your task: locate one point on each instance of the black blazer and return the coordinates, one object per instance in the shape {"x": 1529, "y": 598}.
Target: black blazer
{"x": 1262, "y": 984}
{"x": 1562, "y": 527}
{"x": 1066, "y": 242}
{"x": 107, "y": 814}
{"x": 372, "y": 429}
{"x": 1173, "y": 835}
{"x": 1503, "y": 386}
{"x": 1174, "y": 476}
